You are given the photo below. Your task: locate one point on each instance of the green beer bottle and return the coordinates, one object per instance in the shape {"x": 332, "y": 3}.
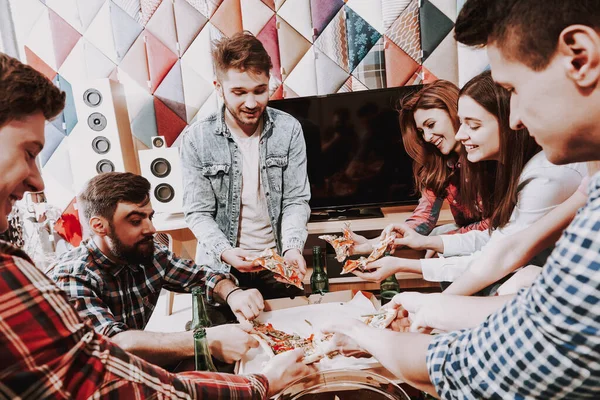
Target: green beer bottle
{"x": 389, "y": 286}
{"x": 199, "y": 315}
{"x": 319, "y": 283}
{"x": 202, "y": 352}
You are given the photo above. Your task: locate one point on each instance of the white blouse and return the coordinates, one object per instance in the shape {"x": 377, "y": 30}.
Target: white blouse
{"x": 542, "y": 186}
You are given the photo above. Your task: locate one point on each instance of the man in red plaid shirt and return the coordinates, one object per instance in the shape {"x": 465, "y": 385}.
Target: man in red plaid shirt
{"x": 46, "y": 350}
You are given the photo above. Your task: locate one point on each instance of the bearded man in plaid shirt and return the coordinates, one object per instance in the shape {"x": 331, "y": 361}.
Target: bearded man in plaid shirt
{"x": 47, "y": 351}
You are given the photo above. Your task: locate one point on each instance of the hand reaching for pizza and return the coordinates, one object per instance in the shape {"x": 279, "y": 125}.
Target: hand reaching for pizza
{"x": 237, "y": 258}
{"x": 294, "y": 257}
{"x": 343, "y": 336}
{"x": 229, "y": 342}
{"x": 416, "y": 312}
{"x": 246, "y": 304}
{"x": 405, "y": 236}
{"x": 284, "y": 369}
{"x": 379, "y": 270}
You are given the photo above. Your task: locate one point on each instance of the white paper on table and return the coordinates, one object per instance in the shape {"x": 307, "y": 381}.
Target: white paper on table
{"x": 293, "y": 320}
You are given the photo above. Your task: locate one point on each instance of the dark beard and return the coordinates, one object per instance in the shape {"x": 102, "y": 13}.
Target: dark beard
{"x": 135, "y": 254}
{"x": 238, "y": 119}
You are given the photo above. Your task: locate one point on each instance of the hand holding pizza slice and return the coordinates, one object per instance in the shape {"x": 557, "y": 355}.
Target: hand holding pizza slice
{"x": 376, "y": 254}
{"x": 269, "y": 259}
{"x": 341, "y": 244}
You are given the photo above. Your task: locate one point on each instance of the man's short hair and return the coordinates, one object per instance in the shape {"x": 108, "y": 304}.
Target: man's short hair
{"x": 25, "y": 91}
{"x": 103, "y": 193}
{"x": 243, "y": 51}
{"x": 524, "y": 30}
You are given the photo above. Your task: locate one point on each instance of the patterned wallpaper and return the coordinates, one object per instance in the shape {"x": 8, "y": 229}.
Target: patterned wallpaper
{"x": 160, "y": 51}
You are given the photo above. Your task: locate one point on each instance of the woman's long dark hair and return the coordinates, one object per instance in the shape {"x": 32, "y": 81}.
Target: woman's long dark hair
{"x": 493, "y": 185}
{"x": 430, "y": 168}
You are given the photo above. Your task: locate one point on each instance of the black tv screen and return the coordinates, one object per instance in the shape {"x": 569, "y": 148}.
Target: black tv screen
{"x": 354, "y": 147}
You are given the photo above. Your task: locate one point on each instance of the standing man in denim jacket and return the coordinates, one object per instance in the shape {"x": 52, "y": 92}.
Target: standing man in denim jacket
{"x": 245, "y": 179}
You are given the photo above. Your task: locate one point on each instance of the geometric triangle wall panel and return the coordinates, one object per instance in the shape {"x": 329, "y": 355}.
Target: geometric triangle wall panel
{"x": 292, "y": 46}
{"x": 391, "y": 10}
{"x": 170, "y": 91}
{"x": 405, "y": 31}
{"x": 160, "y": 60}
{"x": 333, "y": 41}
{"x": 147, "y": 9}
{"x": 38, "y": 64}
{"x": 361, "y": 37}
{"x": 297, "y": 14}
{"x": 370, "y": 11}
{"x": 189, "y": 22}
{"x": 270, "y": 40}
{"x": 330, "y": 76}
{"x": 255, "y": 15}
{"x": 371, "y": 70}
{"x": 443, "y": 61}
{"x": 143, "y": 127}
{"x": 400, "y": 67}
{"x": 168, "y": 123}
{"x": 162, "y": 25}
{"x": 322, "y": 12}
{"x": 228, "y": 17}
{"x": 64, "y": 37}
{"x": 435, "y": 26}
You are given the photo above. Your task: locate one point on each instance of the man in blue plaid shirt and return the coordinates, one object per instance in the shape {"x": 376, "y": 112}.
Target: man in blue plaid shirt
{"x": 114, "y": 279}
{"x": 545, "y": 342}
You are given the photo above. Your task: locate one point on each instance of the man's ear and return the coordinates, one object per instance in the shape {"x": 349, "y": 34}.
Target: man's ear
{"x": 218, "y": 87}
{"x": 99, "y": 226}
{"x": 579, "y": 45}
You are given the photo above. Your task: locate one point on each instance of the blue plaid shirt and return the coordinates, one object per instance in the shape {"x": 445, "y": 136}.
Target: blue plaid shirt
{"x": 118, "y": 297}
{"x": 545, "y": 343}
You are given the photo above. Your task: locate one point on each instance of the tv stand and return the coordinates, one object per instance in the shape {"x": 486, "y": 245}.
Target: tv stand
{"x": 346, "y": 214}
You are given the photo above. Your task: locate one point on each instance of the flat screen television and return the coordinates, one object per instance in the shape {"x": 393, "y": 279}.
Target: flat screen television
{"x": 355, "y": 157}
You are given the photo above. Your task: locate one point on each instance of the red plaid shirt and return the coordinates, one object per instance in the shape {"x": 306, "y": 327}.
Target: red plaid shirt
{"x": 47, "y": 352}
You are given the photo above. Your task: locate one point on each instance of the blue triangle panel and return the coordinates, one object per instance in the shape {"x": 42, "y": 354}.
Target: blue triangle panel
{"x": 125, "y": 30}
{"x": 53, "y": 137}
{"x": 361, "y": 37}
{"x": 69, "y": 113}
{"x": 144, "y": 126}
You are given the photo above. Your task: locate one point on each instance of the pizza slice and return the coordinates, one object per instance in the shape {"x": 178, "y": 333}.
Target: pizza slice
{"x": 275, "y": 342}
{"x": 269, "y": 259}
{"x": 341, "y": 244}
{"x": 361, "y": 263}
{"x": 381, "y": 319}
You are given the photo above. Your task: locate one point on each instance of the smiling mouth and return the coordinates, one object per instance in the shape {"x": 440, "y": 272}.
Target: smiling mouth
{"x": 438, "y": 142}
{"x": 470, "y": 147}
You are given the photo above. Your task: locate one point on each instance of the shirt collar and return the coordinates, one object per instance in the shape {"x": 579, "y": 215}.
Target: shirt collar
{"x": 224, "y": 130}
{"x": 104, "y": 262}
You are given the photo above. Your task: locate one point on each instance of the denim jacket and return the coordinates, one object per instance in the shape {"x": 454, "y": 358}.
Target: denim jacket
{"x": 212, "y": 181}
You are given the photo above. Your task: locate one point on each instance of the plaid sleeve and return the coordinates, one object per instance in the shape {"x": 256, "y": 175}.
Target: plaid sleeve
{"x": 542, "y": 344}
{"x": 426, "y": 214}
{"x": 183, "y": 275}
{"x": 44, "y": 343}
{"x": 81, "y": 292}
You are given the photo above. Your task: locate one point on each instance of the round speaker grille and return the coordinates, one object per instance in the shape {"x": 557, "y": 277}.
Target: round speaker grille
{"x": 101, "y": 145}
{"x": 92, "y": 98}
{"x": 158, "y": 142}
{"x": 160, "y": 167}
{"x": 97, "y": 122}
{"x": 105, "y": 166}
{"x": 164, "y": 193}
